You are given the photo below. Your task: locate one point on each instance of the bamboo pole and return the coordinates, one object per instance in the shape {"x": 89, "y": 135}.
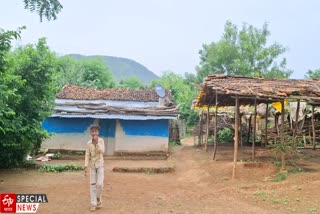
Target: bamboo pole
{"x": 207, "y": 131}
{"x": 254, "y": 129}
{"x": 215, "y": 128}
{"x": 236, "y": 138}
{"x": 283, "y": 161}
{"x": 249, "y": 129}
{"x": 296, "y": 124}
{"x": 313, "y": 130}
{"x": 266, "y": 126}
{"x": 200, "y": 127}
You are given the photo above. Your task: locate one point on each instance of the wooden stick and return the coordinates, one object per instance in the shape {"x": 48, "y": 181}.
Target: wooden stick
{"x": 283, "y": 161}
{"x": 236, "y": 138}
{"x": 215, "y": 129}
{"x": 254, "y": 130}
{"x": 266, "y": 126}
{"x": 207, "y": 131}
{"x": 313, "y": 129}
{"x": 296, "y": 125}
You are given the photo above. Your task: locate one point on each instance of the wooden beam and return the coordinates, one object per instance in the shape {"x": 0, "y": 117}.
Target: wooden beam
{"x": 236, "y": 138}
{"x": 207, "y": 131}
{"x": 215, "y": 129}
{"x": 254, "y": 130}
{"x": 200, "y": 127}
{"x": 296, "y": 124}
{"x": 313, "y": 130}
{"x": 266, "y": 126}
{"x": 283, "y": 161}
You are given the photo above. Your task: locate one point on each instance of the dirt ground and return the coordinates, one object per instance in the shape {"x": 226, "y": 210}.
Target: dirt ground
{"x": 198, "y": 185}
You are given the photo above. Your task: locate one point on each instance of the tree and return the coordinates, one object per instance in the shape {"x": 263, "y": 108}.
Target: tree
{"x": 26, "y": 97}
{"x": 9, "y": 98}
{"x": 131, "y": 83}
{"x": 84, "y": 72}
{"x": 312, "y": 74}
{"x": 243, "y": 52}
{"x": 182, "y": 93}
{"x": 44, "y": 8}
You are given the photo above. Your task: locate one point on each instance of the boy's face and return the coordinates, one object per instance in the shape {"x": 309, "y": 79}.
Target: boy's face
{"x": 94, "y": 133}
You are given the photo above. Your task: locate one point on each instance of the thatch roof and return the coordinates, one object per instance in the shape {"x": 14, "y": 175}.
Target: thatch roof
{"x": 80, "y": 93}
{"x": 263, "y": 90}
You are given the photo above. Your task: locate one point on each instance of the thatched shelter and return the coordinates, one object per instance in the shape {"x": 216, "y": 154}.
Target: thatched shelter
{"x": 222, "y": 90}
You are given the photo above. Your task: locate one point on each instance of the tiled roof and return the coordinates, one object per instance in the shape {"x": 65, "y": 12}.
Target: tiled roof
{"x": 80, "y": 93}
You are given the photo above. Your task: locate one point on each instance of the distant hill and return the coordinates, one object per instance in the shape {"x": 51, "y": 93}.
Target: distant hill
{"x": 122, "y": 68}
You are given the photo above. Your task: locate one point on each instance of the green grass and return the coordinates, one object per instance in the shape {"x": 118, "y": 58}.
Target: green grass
{"x": 60, "y": 168}
{"x": 281, "y": 176}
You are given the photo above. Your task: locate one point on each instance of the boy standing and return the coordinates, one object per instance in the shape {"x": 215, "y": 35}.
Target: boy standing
{"x": 94, "y": 163}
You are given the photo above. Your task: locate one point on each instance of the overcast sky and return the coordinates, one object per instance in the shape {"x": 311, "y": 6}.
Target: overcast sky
{"x": 167, "y": 34}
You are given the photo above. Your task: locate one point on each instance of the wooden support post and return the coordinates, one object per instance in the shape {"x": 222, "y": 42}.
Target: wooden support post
{"x": 207, "y": 131}
{"x": 236, "y": 138}
{"x": 240, "y": 130}
{"x": 254, "y": 130}
{"x": 249, "y": 130}
{"x": 215, "y": 129}
{"x": 283, "y": 161}
{"x": 313, "y": 130}
{"x": 200, "y": 127}
{"x": 296, "y": 125}
{"x": 266, "y": 127}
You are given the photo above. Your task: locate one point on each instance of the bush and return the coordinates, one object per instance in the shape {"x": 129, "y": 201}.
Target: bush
{"x": 225, "y": 135}
{"x": 60, "y": 168}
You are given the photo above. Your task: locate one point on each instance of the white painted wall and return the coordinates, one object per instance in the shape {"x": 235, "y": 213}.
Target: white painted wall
{"x": 76, "y": 142}
{"x": 129, "y": 143}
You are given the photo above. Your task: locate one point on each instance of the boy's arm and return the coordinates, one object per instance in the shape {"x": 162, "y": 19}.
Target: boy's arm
{"x": 100, "y": 146}
{"x": 86, "y": 159}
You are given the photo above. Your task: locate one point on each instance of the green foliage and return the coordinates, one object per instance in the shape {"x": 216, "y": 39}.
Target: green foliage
{"x": 174, "y": 143}
{"x": 262, "y": 195}
{"x": 131, "y": 83}
{"x": 56, "y": 155}
{"x": 281, "y": 176}
{"x": 277, "y": 164}
{"x": 225, "y": 135}
{"x": 60, "y": 168}
{"x": 312, "y": 74}
{"x": 44, "y": 8}
{"x": 243, "y": 52}
{"x": 122, "y": 68}
{"x": 183, "y": 93}
{"x": 26, "y": 98}
{"x": 85, "y": 72}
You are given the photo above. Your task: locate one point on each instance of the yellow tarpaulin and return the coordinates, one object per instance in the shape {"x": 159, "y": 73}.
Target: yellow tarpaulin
{"x": 277, "y": 105}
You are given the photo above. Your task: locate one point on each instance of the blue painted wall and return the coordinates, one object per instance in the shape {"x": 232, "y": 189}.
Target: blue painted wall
{"x": 67, "y": 125}
{"x": 78, "y": 125}
{"x": 107, "y": 128}
{"x": 146, "y": 127}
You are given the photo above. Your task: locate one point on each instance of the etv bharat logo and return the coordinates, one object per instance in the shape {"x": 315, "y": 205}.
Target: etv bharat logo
{"x": 21, "y": 203}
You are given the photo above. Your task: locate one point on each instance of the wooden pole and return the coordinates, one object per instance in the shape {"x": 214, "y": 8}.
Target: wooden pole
{"x": 249, "y": 130}
{"x": 283, "y": 161}
{"x": 254, "y": 130}
{"x": 200, "y": 127}
{"x": 296, "y": 124}
{"x": 236, "y": 138}
{"x": 266, "y": 126}
{"x": 313, "y": 130}
{"x": 240, "y": 130}
{"x": 207, "y": 131}
{"x": 215, "y": 129}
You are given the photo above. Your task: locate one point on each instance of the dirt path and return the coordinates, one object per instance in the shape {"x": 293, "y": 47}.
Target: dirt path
{"x": 199, "y": 185}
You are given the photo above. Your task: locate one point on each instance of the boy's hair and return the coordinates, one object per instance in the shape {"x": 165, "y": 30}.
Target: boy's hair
{"x": 94, "y": 126}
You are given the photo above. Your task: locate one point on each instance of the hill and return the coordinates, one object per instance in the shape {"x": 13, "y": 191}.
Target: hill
{"x": 122, "y": 68}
